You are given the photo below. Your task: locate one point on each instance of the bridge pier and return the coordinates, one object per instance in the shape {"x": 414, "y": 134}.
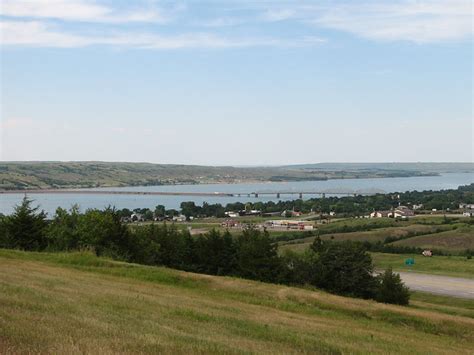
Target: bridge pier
{"x": 256, "y": 195}
{"x": 278, "y": 195}
{"x": 301, "y": 195}
{"x": 324, "y": 195}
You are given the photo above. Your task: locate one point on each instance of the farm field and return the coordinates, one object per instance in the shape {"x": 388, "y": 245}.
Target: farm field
{"x": 75, "y": 303}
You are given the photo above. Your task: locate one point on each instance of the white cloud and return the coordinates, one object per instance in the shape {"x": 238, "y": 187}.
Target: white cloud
{"x": 278, "y": 15}
{"x": 76, "y": 10}
{"x": 223, "y": 22}
{"x": 40, "y": 34}
{"x": 30, "y": 23}
{"x": 416, "y": 21}
{"x": 36, "y": 34}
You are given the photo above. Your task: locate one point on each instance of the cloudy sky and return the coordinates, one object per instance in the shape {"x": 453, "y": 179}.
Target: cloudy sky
{"x": 236, "y": 82}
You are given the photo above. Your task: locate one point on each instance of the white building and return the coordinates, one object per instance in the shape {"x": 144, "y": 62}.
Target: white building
{"x": 180, "y": 218}
{"x": 380, "y": 214}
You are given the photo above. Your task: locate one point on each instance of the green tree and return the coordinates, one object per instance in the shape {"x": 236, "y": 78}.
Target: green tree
{"x": 62, "y": 233}
{"x": 257, "y": 256}
{"x": 104, "y": 232}
{"x": 344, "y": 268}
{"x": 160, "y": 211}
{"x": 25, "y": 228}
{"x": 391, "y": 289}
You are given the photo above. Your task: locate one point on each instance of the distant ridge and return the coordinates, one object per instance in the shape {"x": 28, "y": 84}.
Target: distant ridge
{"x": 443, "y": 167}
{"x": 55, "y": 175}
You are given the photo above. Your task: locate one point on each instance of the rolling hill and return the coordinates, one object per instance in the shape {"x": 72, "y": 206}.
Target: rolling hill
{"x": 47, "y": 175}
{"x": 77, "y": 303}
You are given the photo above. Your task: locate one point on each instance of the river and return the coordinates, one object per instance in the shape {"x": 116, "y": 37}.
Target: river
{"x": 50, "y": 201}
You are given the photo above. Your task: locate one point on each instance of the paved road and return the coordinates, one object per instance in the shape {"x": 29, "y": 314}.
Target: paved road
{"x": 442, "y": 285}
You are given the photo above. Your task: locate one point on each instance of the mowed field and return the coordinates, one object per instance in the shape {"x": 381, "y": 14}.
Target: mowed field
{"x": 77, "y": 303}
{"x": 456, "y": 266}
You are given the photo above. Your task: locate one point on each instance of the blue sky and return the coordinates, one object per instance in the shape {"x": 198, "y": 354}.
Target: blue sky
{"x": 236, "y": 82}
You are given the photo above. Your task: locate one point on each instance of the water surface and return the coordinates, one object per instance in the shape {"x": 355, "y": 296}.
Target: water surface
{"x": 49, "y": 202}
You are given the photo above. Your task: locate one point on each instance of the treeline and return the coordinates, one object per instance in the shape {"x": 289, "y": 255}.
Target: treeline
{"x": 342, "y": 268}
{"x": 348, "y": 206}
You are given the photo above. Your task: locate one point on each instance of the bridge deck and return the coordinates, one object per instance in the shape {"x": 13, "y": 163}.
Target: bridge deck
{"x": 175, "y": 193}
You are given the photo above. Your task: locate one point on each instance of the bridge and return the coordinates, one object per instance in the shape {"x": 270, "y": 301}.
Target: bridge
{"x": 306, "y": 193}
{"x": 255, "y": 194}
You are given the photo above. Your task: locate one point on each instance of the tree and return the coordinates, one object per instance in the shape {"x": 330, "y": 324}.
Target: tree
{"x": 189, "y": 209}
{"x": 215, "y": 253}
{"x": 257, "y": 256}
{"x": 344, "y": 268}
{"x": 160, "y": 211}
{"x": 391, "y": 289}
{"x": 62, "y": 232}
{"x": 104, "y": 232}
{"x": 25, "y": 228}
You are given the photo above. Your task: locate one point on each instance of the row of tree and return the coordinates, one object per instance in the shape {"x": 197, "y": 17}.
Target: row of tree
{"x": 342, "y": 268}
{"x": 349, "y": 206}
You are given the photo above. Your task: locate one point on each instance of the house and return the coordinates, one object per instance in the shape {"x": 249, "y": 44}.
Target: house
{"x": 180, "y": 218}
{"x": 290, "y": 213}
{"x": 403, "y": 212}
{"x": 427, "y": 253}
{"x": 468, "y": 213}
{"x": 469, "y": 206}
{"x": 137, "y": 217}
{"x": 290, "y": 224}
{"x": 417, "y": 207}
{"x": 232, "y": 214}
{"x": 250, "y": 213}
{"x": 380, "y": 214}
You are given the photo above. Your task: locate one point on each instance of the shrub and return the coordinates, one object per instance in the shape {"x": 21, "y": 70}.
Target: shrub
{"x": 391, "y": 289}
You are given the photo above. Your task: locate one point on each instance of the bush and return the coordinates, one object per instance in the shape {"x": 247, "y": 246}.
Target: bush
{"x": 25, "y": 228}
{"x": 391, "y": 289}
{"x": 344, "y": 268}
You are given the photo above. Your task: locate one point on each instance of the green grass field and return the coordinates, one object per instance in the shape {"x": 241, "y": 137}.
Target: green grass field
{"x": 440, "y": 265}
{"x": 77, "y": 303}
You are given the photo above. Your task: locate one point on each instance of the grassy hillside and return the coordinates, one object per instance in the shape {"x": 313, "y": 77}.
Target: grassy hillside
{"x": 454, "y": 240}
{"x": 379, "y": 234}
{"x": 76, "y": 303}
{"x": 453, "y": 237}
{"x": 41, "y": 175}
